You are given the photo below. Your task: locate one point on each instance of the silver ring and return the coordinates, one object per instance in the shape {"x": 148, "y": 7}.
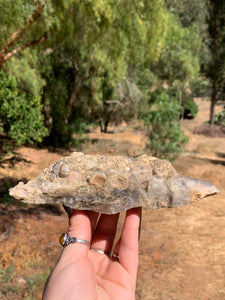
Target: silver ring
{"x": 115, "y": 255}
{"x": 99, "y": 251}
{"x": 65, "y": 239}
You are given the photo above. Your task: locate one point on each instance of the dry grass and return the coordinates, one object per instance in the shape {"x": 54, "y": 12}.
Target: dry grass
{"x": 105, "y": 146}
{"x": 212, "y": 131}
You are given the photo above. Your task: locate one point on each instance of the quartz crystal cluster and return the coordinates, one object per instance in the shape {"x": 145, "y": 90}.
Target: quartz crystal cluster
{"x": 110, "y": 184}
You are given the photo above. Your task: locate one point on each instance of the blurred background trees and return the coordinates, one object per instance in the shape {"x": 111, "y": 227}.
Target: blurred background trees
{"x": 67, "y": 64}
{"x": 216, "y": 67}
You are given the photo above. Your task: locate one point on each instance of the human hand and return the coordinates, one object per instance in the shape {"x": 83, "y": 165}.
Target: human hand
{"x": 84, "y": 274}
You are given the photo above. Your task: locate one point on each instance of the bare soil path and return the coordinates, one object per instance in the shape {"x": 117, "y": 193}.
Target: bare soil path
{"x": 182, "y": 250}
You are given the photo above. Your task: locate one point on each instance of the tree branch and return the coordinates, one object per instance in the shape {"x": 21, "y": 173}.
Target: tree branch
{"x": 17, "y": 34}
{"x": 114, "y": 101}
{"x": 20, "y": 48}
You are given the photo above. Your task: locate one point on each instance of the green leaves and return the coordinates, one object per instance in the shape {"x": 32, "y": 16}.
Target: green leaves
{"x": 219, "y": 118}
{"x": 20, "y": 114}
{"x": 90, "y": 60}
{"x": 166, "y": 138}
{"x": 179, "y": 60}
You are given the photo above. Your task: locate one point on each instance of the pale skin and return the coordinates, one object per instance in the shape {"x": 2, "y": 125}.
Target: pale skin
{"x": 82, "y": 273}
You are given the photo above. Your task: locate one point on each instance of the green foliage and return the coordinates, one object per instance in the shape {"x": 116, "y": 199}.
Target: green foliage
{"x": 190, "y": 108}
{"x": 178, "y": 66}
{"x": 186, "y": 101}
{"x": 130, "y": 103}
{"x": 179, "y": 60}
{"x": 25, "y": 71}
{"x": 200, "y": 87}
{"x": 36, "y": 281}
{"x": 189, "y": 12}
{"x": 166, "y": 138}
{"x": 94, "y": 45}
{"x": 99, "y": 61}
{"x": 8, "y": 286}
{"x": 5, "y": 197}
{"x": 219, "y": 118}
{"x": 79, "y": 126}
{"x": 20, "y": 113}
{"x": 193, "y": 13}
{"x": 10, "y": 289}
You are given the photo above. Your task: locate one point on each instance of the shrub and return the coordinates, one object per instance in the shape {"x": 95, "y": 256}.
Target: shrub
{"x": 190, "y": 108}
{"x": 166, "y": 138}
{"x": 186, "y": 100}
{"x": 20, "y": 113}
{"x": 219, "y": 118}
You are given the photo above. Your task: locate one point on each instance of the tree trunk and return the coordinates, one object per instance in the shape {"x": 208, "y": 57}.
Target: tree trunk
{"x": 101, "y": 126}
{"x": 2, "y": 55}
{"x": 182, "y": 107}
{"x": 214, "y": 33}
{"x": 73, "y": 96}
{"x": 47, "y": 118}
{"x": 106, "y": 126}
{"x": 212, "y": 107}
{"x": 72, "y": 99}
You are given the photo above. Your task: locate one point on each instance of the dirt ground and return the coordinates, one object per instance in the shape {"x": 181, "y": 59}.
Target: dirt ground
{"x": 182, "y": 250}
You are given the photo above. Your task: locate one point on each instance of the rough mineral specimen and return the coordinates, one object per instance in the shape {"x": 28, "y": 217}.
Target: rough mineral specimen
{"x": 110, "y": 184}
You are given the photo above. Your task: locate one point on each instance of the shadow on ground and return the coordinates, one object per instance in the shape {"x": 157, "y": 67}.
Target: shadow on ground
{"x": 11, "y": 209}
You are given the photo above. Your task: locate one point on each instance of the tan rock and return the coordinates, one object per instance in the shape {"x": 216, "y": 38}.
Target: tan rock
{"x": 110, "y": 184}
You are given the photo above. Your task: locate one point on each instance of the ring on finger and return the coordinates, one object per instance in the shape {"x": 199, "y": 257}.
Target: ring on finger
{"x": 115, "y": 255}
{"x": 65, "y": 239}
{"x": 99, "y": 251}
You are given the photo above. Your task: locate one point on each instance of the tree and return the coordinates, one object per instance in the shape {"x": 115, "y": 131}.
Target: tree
{"x": 188, "y": 12}
{"x": 23, "y": 25}
{"x": 93, "y": 59}
{"x": 178, "y": 65}
{"x": 179, "y": 60}
{"x": 95, "y": 44}
{"x": 216, "y": 68}
{"x": 193, "y": 13}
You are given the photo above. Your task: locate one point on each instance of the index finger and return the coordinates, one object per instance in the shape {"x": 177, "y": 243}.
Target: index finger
{"x": 128, "y": 248}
